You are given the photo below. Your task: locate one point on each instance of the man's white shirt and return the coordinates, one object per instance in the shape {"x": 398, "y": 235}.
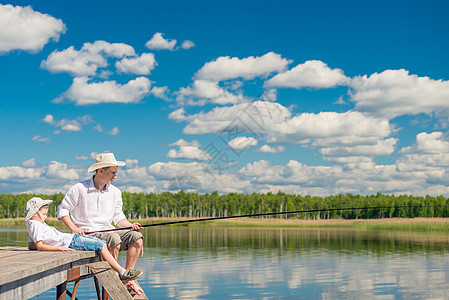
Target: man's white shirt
{"x": 91, "y": 209}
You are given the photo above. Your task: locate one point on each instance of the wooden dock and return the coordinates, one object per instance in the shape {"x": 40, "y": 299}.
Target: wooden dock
{"x": 25, "y": 274}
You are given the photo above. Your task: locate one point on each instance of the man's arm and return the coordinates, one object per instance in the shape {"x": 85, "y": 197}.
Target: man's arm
{"x": 68, "y": 222}
{"x": 125, "y": 223}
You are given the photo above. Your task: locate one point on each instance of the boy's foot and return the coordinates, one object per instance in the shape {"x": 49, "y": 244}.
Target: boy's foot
{"x": 130, "y": 274}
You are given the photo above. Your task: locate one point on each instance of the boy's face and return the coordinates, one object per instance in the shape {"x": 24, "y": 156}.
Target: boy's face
{"x": 41, "y": 215}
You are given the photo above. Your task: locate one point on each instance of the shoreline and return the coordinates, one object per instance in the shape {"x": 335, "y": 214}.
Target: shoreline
{"x": 414, "y": 224}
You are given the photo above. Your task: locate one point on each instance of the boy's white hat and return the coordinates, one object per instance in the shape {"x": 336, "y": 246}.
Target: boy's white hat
{"x": 33, "y": 205}
{"x": 105, "y": 160}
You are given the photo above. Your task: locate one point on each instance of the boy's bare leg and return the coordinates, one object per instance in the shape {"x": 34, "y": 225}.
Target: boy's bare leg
{"x": 107, "y": 256}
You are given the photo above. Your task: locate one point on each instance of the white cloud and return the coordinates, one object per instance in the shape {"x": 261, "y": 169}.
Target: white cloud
{"x": 142, "y": 65}
{"x": 430, "y": 143}
{"x": 205, "y": 177}
{"x": 339, "y": 137}
{"x": 158, "y": 42}
{"x": 178, "y": 115}
{"x": 114, "y": 131}
{"x": 269, "y": 95}
{"x": 169, "y": 170}
{"x": 84, "y": 93}
{"x": 225, "y": 67}
{"x": 189, "y": 152}
{"x": 327, "y": 125}
{"x": 59, "y": 170}
{"x": 161, "y": 92}
{"x": 413, "y": 173}
{"x": 29, "y": 163}
{"x": 15, "y": 172}
{"x": 274, "y": 123}
{"x": 81, "y": 157}
{"x": 187, "y": 44}
{"x": 22, "y": 28}
{"x": 394, "y": 93}
{"x": 312, "y": 73}
{"x": 269, "y": 149}
{"x": 132, "y": 163}
{"x": 90, "y": 58}
{"x": 263, "y": 172}
{"x": 427, "y": 159}
{"x": 99, "y": 128}
{"x": 242, "y": 143}
{"x": 382, "y": 147}
{"x": 182, "y": 142}
{"x": 66, "y": 124}
{"x": 202, "y": 92}
{"x": 258, "y": 116}
{"x": 39, "y": 139}
{"x": 92, "y": 155}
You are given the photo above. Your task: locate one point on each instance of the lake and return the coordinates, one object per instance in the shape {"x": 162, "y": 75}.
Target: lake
{"x": 282, "y": 263}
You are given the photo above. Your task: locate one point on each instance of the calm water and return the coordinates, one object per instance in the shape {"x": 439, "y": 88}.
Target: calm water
{"x": 283, "y": 263}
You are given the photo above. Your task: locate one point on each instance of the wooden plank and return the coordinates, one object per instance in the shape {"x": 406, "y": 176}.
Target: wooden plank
{"x": 25, "y": 263}
{"x": 28, "y": 273}
{"x": 110, "y": 281}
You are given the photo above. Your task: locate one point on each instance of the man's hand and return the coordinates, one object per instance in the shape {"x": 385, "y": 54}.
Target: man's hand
{"x": 68, "y": 222}
{"x": 136, "y": 226}
{"x": 78, "y": 230}
{"x": 125, "y": 223}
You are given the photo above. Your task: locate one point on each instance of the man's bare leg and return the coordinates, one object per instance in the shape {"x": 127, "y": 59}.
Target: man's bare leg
{"x": 132, "y": 255}
{"x": 131, "y": 259}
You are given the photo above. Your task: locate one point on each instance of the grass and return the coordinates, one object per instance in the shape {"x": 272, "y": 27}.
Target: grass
{"x": 393, "y": 224}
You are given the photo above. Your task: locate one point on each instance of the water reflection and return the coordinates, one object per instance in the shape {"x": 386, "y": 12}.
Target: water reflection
{"x": 285, "y": 263}
{"x": 268, "y": 263}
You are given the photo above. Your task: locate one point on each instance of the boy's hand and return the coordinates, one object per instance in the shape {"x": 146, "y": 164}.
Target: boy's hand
{"x": 66, "y": 249}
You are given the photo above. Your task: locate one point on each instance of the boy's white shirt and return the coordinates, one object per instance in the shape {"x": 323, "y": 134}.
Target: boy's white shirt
{"x": 39, "y": 231}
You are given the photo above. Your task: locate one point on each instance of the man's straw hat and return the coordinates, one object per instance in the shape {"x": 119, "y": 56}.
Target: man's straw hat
{"x": 105, "y": 160}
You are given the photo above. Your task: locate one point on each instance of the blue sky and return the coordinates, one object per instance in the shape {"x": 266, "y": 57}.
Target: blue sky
{"x": 241, "y": 96}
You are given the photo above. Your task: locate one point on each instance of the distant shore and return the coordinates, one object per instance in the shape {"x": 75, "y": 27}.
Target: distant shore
{"x": 413, "y": 224}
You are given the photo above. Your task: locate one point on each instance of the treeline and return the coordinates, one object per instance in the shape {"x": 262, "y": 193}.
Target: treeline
{"x": 194, "y": 205}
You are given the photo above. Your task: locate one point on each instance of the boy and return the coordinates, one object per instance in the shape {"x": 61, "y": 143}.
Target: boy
{"x": 47, "y": 238}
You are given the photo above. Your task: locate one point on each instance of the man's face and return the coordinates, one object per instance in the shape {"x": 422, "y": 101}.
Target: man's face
{"x": 109, "y": 174}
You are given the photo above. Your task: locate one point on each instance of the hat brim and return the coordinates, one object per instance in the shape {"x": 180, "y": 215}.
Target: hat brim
{"x": 35, "y": 209}
{"x": 99, "y": 165}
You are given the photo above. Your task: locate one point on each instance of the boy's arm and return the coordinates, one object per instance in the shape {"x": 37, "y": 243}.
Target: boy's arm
{"x": 42, "y": 247}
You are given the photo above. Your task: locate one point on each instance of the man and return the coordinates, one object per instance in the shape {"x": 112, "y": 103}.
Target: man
{"x": 95, "y": 204}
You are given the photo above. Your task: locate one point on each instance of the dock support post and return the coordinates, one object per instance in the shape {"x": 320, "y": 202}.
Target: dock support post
{"x": 61, "y": 291}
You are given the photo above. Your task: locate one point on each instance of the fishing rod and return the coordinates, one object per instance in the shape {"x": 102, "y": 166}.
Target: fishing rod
{"x": 251, "y": 215}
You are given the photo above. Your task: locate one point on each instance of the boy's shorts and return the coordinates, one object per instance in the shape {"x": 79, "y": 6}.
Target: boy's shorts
{"x": 87, "y": 243}
{"x": 123, "y": 237}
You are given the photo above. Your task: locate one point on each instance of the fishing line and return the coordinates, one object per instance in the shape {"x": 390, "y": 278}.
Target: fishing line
{"x": 257, "y": 215}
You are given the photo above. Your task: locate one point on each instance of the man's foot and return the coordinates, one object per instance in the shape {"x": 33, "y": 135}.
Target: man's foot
{"x": 135, "y": 287}
{"x": 130, "y": 274}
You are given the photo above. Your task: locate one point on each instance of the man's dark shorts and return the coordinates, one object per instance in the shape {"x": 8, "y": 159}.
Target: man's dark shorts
{"x": 124, "y": 237}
